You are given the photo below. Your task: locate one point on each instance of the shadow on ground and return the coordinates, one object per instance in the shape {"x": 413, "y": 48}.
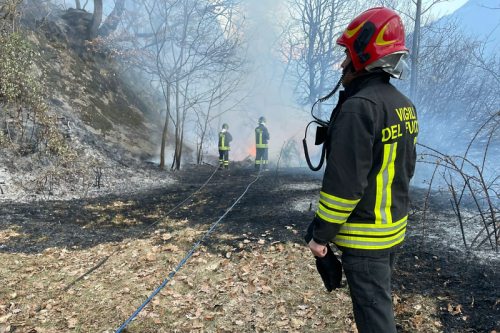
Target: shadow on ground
{"x": 264, "y": 212}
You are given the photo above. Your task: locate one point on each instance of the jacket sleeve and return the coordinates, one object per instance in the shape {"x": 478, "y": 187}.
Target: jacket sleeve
{"x": 266, "y": 134}
{"x": 229, "y": 137}
{"x": 348, "y": 164}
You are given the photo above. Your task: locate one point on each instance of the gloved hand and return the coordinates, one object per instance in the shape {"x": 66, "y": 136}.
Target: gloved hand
{"x": 330, "y": 269}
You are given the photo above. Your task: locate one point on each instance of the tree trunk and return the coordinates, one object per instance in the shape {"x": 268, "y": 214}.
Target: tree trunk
{"x": 96, "y": 20}
{"x": 199, "y": 154}
{"x": 111, "y": 22}
{"x": 77, "y": 4}
{"x": 183, "y": 121}
{"x": 415, "y": 51}
{"x": 176, "y": 161}
{"x": 165, "y": 130}
{"x": 181, "y": 142}
{"x": 199, "y": 157}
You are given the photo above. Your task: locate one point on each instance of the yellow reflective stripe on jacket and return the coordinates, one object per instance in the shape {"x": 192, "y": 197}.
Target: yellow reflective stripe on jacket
{"x": 370, "y": 243}
{"x": 334, "y": 202}
{"x": 334, "y": 209}
{"x": 222, "y": 142}
{"x": 331, "y": 216}
{"x": 383, "y": 199}
{"x": 258, "y": 143}
{"x": 373, "y": 229}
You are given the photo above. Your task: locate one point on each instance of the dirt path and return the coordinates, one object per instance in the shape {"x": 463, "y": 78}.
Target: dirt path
{"x": 256, "y": 256}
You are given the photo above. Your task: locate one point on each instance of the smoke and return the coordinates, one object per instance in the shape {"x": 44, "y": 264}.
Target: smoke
{"x": 265, "y": 94}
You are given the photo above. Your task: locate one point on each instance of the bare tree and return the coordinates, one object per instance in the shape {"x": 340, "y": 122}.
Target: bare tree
{"x": 164, "y": 133}
{"x": 213, "y": 105}
{"x": 415, "y": 49}
{"x": 157, "y": 47}
{"x": 192, "y": 43}
{"x": 309, "y": 45}
{"x": 113, "y": 19}
{"x": 96, "y": 20}
{"x": 461, "y": 81}
{"x": 416, "y": 15}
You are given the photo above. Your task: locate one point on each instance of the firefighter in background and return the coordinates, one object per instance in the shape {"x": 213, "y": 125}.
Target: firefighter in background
{"x": 363, "y": 203}
{"x": 261, "y": 145}
{"x": 225, "y": 139}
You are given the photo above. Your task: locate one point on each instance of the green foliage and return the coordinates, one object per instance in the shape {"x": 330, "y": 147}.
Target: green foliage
{"x": 19, "y": 82}
{"x": 26, "y": 121}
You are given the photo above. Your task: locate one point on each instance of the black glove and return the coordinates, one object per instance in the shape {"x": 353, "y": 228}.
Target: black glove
{"x": 330, "y": 269}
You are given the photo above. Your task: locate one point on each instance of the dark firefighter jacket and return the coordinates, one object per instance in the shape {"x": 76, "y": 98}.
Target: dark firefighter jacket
{"x": 224, "y": 140}
{"x": 363, "y": 205}
{"x": 261, "y": 136}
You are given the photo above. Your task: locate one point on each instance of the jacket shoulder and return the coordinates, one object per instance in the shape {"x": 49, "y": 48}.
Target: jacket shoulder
{"x": 378, "y": 94}
{"x": 372, "y": 93}
{"x": 360, "y": 104}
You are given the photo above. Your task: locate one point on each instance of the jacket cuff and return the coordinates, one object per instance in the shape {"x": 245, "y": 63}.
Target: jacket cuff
{"x": 309, "y": 233}
{"x": 324, "y": 232}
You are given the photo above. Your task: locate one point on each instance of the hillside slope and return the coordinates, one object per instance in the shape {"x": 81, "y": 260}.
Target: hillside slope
{"x": 88, "y": 87}
{"x": 110, "y": 129}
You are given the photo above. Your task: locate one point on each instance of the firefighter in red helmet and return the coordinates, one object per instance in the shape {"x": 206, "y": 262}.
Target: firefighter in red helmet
{"x": 370, "y": 145}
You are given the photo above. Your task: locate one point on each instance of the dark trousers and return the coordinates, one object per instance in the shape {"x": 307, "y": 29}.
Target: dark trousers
{"x": 261, "y": 158}
{"x": 369, "y": 280}
{"x": 224, "y": 158}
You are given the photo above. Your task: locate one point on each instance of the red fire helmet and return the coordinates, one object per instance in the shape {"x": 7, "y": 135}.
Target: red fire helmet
{"x": 372, "y": 35}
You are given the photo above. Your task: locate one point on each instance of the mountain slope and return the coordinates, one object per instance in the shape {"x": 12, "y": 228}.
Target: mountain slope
{"x": 479, "y": 19}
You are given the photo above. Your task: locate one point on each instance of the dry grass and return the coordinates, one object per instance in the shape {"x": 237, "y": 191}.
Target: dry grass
{"x": 253, "y": 287}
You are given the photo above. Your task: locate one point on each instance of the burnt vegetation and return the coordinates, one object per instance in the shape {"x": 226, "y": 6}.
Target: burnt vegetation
{"x": 90, "y": 225}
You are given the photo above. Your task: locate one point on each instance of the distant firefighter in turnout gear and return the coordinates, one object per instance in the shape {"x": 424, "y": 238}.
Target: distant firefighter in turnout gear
{"x": 224, "y": 147}
{"x": 261, "y": 145}
{"x": 370, "y": 142}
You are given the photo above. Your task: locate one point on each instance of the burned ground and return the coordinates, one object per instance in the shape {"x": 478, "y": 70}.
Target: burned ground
{"x": 437, "y": 289}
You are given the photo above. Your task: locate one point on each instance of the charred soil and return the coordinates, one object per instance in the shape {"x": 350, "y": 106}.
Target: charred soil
{"x": 252, "y": 274}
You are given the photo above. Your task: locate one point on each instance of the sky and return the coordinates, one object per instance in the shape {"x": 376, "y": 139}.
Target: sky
{"x": 448, "y": 7}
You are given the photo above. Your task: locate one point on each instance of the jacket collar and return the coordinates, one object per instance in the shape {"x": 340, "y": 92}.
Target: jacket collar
{"x": 366, "y": 80}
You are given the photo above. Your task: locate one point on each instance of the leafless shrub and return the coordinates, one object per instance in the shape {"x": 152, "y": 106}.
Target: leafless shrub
{"x": 425, "y": 210}
{"x": 471, "y": 186}
{"x": 63, "y": 175}
{"x": 98, "y": 171}
{"x": 289, "y": 153}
